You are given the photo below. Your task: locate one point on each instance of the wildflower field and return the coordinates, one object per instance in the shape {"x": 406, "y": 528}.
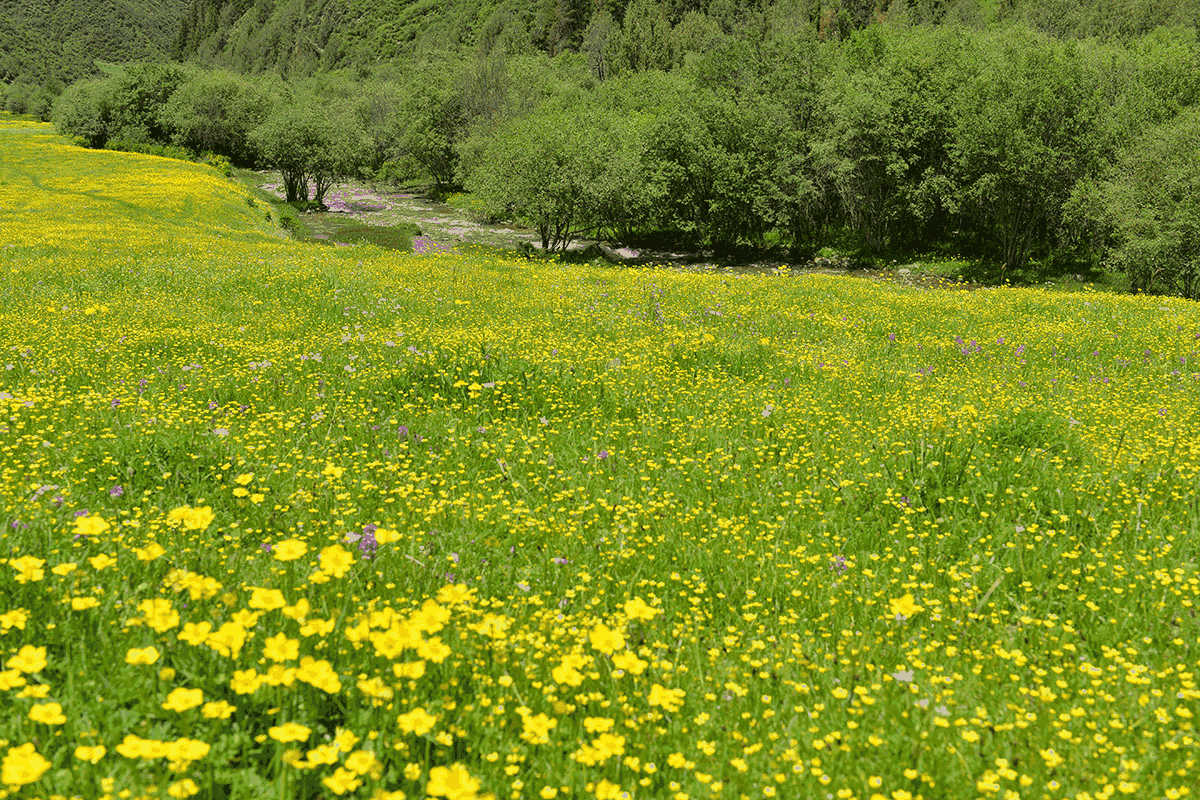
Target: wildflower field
{"x": 285, "y": 520}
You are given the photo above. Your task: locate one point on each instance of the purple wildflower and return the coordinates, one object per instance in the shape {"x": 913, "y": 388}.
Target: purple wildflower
{"x": 367, "y": 545}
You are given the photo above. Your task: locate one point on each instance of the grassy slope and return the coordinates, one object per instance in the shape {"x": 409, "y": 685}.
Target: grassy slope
{"x": 42, "y": 41}
{"x": 769, "y": 462}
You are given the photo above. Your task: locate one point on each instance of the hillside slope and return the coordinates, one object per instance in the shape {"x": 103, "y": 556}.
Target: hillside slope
{"x": 56, "y": 41}
{"x": 307, "y": 35}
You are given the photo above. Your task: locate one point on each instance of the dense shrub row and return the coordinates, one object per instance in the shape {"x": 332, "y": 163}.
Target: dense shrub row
{"x": 1005, "y": 143}
{"x": 27, "y": 98}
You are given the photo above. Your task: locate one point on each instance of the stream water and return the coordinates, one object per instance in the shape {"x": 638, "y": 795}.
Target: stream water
{"x": 442, "y": 226}
{"x": 445, "y": 228}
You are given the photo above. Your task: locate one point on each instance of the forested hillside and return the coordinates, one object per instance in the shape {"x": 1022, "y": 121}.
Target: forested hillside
{"x": 49, "y": 43}
{"x": 304, "y": 36}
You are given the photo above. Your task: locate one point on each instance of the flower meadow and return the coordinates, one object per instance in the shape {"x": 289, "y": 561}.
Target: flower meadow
{"x": 283, "y": 520}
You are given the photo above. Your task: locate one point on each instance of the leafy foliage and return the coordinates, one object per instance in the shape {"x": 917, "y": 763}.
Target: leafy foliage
{"x": 1150, "y": 201}
{"x": 1027, "y": 126}
{"x": 26, "y": 98}
{"x": 544, "y": 169}
{"x": 81, "y": 112}
{"x": 125, "y": 106}
{"x": 214, "y": 112}
{"x": 311, "y": 148}
{"x": 308, "y": 36}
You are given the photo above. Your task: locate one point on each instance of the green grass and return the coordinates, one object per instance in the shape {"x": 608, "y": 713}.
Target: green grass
{"x": 342, "y": 229}
{"x": 638, "y": 531}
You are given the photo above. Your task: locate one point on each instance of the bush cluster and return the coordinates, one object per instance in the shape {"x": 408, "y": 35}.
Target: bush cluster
{"x": 219, "y": 117}
{"x": 26, "y": 98}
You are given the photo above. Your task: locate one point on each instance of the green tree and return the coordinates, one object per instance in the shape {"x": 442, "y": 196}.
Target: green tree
{"x": 568, "y": 18}
{"x": 543, "y": 169}
{"x": 647, "y": 34}
{"x": 377, "y": 106}
{"x": 883, "y": 121}
{"x": 1149, "y": 204}
{"x": 695, "y": 34}
{"x": 215, "y": 112}
{"x": 81, "y": 112}
{"x": 311, "y": 149}
{"x": 14, "y": 97}
{"x": 1027, "y": 126}
{"x": 430, "y": 121}
{"x": 137, "y": 93}
{"x": 27, "y": 98}
{"x": 603, "y": 44}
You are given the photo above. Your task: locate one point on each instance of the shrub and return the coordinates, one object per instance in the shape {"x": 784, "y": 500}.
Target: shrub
{"x": 135, "y": 97}
{"x": 542, "y": 169}
{"x": 218, "y": 162}
{"x": 429, "y": 122}
{"x": 1150, "y": 202}
{"x": 1027, "y": 127}
{"x": 149, "y": 148}
{"x": 879, "y": 145}
{"x": 124, "y": 106}
{"x": 81, "y": 112}
{"x": 214, "y": 112}
{"x": 14, "y": 97}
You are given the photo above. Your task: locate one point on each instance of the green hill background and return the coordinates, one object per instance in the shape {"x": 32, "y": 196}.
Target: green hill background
{"x": 304, "y": 36}
{"x": 50, "y": 43}
{"x": 307, "y": 36}
{"x": 53, "y": 42}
